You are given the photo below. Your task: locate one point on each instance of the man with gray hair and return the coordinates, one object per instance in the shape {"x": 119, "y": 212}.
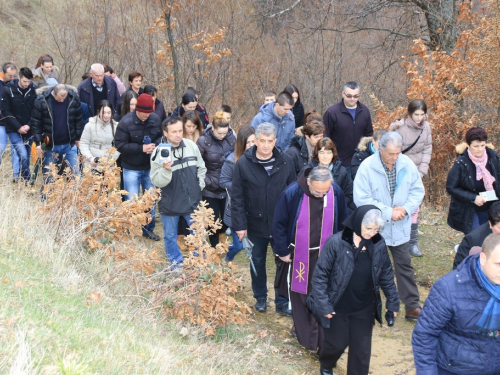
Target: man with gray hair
{"x": 347, "y": 122}
{"x": 57, "y": 126}
{"x": 307, "y": 213}
{"x": 391, "y": 181}
{"x": 99, "y": 87}
{"x": 259, "y": 177}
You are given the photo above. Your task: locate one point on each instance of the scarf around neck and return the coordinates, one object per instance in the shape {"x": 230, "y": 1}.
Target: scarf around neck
{"x": 489, "y": 322}
{"x": 481, "y": 171}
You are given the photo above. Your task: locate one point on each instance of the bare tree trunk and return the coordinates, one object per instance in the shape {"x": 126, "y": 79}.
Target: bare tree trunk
{"x": 168, "y": 20}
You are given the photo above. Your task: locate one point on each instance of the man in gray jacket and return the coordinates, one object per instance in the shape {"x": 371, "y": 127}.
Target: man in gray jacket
{"x": 181, "y": 180}
{"x": 391, "y": 181}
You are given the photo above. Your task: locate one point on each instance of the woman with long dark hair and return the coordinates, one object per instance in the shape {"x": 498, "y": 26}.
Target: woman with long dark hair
{"x": 298, "y": 108}
{"x": 244, "y": 140}
{"x": 99, "y": 135}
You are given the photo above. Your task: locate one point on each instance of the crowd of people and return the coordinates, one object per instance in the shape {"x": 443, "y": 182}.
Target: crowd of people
{"x": 330, "y": 196}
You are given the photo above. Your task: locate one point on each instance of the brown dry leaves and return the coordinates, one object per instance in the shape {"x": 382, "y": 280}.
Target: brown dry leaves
{"x": 90, "y": 208}
{"x": 204, "y": 293}
{"x": 461, "y": 89}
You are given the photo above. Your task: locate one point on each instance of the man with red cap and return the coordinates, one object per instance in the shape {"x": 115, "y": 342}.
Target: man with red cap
{"x": 137, "y": 135}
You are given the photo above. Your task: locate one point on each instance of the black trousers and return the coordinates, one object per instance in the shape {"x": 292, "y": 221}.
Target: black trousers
{"x": 218, "y": 205}
{"x": 353, "y": 330}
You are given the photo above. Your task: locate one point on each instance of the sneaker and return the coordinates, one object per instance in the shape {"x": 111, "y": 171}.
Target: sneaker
{"x": 456, "y": 248}
{"x": 261, "y": 305}
{"x": 284, "y": 310}
{"x": 151, "y": 236}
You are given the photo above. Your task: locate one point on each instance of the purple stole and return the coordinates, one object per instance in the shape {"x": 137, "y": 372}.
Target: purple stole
{"x": 300, "y": 266}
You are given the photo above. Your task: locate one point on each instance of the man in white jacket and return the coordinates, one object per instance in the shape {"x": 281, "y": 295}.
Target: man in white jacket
{"x": 391, "y": 181}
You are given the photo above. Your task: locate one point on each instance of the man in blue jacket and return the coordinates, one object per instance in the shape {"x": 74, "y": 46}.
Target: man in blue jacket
{"x": 279, "y": 113}
{"x": 391, "y": 181}
{"x": 459, "y": 329}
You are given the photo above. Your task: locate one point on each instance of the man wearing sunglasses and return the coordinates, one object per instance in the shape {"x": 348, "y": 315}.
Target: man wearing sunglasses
{"x": 347, "y": 122}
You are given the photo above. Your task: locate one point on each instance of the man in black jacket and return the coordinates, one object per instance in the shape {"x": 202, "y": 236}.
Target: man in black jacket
{"x": 478, "y": 235}
{"x": 18, "y": 98}
{"x": 137, "y": 135}
{"x": 8, "y": 73}
{"x": 347, "y": 122}
{"x": 259, "y": 177}
{"x": 57, "y": 126}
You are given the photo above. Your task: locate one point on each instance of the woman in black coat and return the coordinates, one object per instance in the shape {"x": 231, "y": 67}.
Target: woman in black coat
{"x": 475, "y": 171}
{"x": 345, "y": 297}
{"x": 216, "y": 143}
{"x": 325, "y": 154}
{"x": 298, "y": 108}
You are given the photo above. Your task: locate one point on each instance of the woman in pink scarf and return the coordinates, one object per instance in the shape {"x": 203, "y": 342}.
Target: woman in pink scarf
{"x": 475, "y": 172}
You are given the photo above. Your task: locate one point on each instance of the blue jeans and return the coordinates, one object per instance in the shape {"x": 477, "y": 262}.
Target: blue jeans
{"x": 259, "y": 282}
{"x": 170, "y": 224}
{"x": 132, "y": 181}
{"x": 235, "y": 248}
{"x": 13, "y": 155}
{"x": 17, "y": 142}
{"x": 479, "y": 219}
{"x": 55, "y": 154}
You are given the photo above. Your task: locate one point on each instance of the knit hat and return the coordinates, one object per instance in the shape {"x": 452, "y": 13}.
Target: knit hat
{"x": 145, "y": 103}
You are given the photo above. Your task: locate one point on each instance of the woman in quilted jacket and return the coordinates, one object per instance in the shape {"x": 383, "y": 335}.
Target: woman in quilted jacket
{"x": 417, "y": 145}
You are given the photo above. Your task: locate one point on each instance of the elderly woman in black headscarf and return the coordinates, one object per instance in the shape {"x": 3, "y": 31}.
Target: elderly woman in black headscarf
{"x": 345, "y": 296}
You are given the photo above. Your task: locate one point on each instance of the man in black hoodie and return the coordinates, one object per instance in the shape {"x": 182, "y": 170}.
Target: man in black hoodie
{"x": 17, "y": 102}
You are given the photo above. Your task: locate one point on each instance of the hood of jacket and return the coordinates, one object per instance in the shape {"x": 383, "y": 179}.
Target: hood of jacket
{"x": 46, "y": 90}
{"x": 364, "y": 142}
{"x": 408, "y": 121}
{"x": 268, "y": 113}
{"x": 37, "y": 73}
{"x": 462, "y": 147}
{"x": 13, "y": 85}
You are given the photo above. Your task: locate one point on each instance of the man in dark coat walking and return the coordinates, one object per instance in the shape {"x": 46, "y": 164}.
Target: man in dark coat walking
{"x": 18, "y": 98}
{"x": 99, "y": 87}
{"x": 347, "y": 122}
{"x": 260, "y": 176}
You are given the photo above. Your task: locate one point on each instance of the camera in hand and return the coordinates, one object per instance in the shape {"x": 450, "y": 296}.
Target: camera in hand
{"x": 389, "y": 317}
{"x": 164, "y": 153}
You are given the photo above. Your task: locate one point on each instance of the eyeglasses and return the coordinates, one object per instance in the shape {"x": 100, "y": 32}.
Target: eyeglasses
{"x": 349, "y": 96}
{"x": 325, "y": 152}
{"x": 371, "y": 230}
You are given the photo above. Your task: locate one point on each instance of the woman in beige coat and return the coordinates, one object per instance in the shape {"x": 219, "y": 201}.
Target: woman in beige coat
{"x": 417, "y": 145}
{"x": 99, "y": 135}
